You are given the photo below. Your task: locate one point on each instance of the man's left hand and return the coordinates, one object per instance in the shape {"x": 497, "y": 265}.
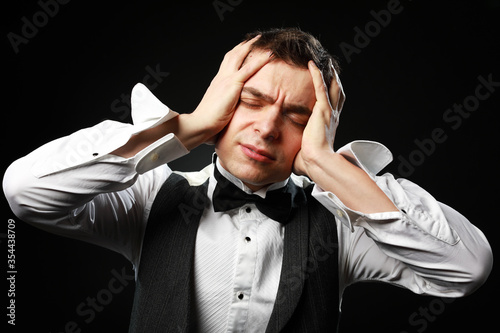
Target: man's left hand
{"x": 320, "y": 130}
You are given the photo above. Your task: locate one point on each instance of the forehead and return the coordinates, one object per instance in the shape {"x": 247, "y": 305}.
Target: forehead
{"x": 285, "y": 83}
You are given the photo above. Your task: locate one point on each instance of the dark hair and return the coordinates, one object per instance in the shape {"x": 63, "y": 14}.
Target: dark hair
{"x": 296, "y": 48}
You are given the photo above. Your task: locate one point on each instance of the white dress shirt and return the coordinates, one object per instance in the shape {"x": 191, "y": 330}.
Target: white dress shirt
{"x": 73, "y": 187}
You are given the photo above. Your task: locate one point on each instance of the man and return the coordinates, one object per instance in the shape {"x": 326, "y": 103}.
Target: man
{"x": 211, "y": 254}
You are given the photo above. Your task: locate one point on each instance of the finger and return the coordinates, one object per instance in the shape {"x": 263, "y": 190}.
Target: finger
{"x": 322, "y": 99}
{"x": 254, "y": 62}
{"x": 245, "y": 46}
{"x": 253, "y": 39}
{"x": 235, "y": 58}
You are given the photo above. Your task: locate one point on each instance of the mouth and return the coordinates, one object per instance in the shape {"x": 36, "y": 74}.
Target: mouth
{"x": 257, "y": 154}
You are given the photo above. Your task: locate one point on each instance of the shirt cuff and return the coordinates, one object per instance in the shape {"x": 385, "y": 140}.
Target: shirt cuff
{"x": 370, "y": 156}
{"x": 160, "y": 152}
{"x": 347, "y": 216}
{"x": 147, "y": 112}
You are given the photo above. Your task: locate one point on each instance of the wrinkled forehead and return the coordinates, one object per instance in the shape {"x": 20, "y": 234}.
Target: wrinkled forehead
{"x": 281, "y": 82}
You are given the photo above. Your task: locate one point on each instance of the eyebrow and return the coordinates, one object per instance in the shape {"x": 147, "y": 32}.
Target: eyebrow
{"x": 295, "y": 108}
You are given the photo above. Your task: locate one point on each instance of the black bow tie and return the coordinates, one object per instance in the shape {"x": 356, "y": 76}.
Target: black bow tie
{"x": 277, "y": 205}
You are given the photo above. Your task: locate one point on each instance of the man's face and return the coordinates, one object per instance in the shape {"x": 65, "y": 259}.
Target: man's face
{"x": 261, "y": 141}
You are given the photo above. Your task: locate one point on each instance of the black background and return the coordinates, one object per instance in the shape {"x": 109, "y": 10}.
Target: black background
{"x": 399, "y": 84}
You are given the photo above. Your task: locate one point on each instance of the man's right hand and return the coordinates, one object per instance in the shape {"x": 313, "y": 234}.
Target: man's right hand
{"x": 221, "y": 98}
{"x": 215, "y": 109}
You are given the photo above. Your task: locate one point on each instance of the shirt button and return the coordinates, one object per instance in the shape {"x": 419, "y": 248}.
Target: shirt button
{"x": 248, "y": 209}
{"x": 248, "y": 239}
{"x": 340, "y": 213}
{"x": 240, "y": 296}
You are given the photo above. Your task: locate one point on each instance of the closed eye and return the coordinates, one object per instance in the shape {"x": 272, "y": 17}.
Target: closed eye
{"x": 298, "y": 119}
{"x": 250, "y": 105}
{"x": 297, "y": 114}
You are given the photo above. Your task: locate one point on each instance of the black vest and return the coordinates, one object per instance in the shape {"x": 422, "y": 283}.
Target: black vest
{"x": 308, "y": 292}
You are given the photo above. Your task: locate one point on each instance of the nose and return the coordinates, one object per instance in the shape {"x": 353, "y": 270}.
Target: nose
{"x": 268, "y": 123}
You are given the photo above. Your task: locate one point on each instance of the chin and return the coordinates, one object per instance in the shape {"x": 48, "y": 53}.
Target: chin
{"x": 260, "y": 177}
{"x": 254, "y": 176}
{"x": 252, "y": 172}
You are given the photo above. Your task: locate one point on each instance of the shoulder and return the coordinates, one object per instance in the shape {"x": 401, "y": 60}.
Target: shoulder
{"x": 196, "y": 178}
{"x": 301, "y": 181}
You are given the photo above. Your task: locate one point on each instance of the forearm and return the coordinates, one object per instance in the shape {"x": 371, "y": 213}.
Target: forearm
{"x": 188, "y": 129}
{"x": 68, "y": 172}
{"x": 353, "y": 186}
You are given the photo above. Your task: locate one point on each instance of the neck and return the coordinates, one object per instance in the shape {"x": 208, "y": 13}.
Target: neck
{"x": 254, "y": 188}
